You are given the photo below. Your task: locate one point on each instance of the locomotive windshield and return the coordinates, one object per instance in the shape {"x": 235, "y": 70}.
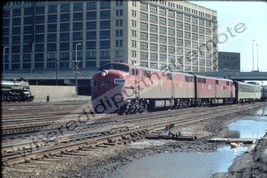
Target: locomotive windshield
{"x": 115, "y": 66}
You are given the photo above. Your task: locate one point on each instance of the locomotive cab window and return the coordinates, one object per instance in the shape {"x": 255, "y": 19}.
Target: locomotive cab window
{"x": 115, "y": 66}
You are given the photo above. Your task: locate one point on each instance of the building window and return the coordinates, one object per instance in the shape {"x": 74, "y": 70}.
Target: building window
{"x": 201, "y": 30}
{"x": 39, "y": 57}
{"x": 65, "y": 7}
{"x": 153, "y": 18}
{"x": 180, "y": 33}
{"x": 163, "y": 58}
{"x": 143, "y": 45}
{"x": 162, "y": 48}
{"x": 119, "y": 12}
{"x": 40, "y": 10}
{"x": 143, "y": 36}
{"x": 187, "y": 18}
{"x": 153, "y": 37}
{"x": 133, "y": 23}
{"x": 162, "y": 39}
{"x": 104, "y": 44}
{"x": 38, "y": 19}
{"x": 104, "y": 14}
{"x": 104, "y": 34}
{"x": 91, "y": 15}
{"x": 91, "y": 35}
{"x": 179, "y": 25}
{"x": 91, "y": 45}
{"x": 187, "y": 26}
{"x": 78, "y": 26}
{"x": 104, "y": 24}
{"x": 153, "y": 47}
{"x": 171, "y": 40}
{"x": 52, "y": 8}
{"x": 133, "y": 43}
{"x": 119, "y": 33}
{"x": 39, "y": 38}
{"x": 133, "y": 13}
{"x": 153, "y": 28}
{"x": 64, "y": 47}
{"x": 143, "y": 55}
{"x": 171, "y": 31}
{"x": 171, "y": 22}
{"x": 187, "y": 35}
{"x": 143, "y": 16}
{"x": 171, "y": 13}
{"x": 143, "y": 6}
{"x": 90, "y": 55}
{"x": 162, "y": 30}
{"x": 133, "y": 54}
{"x": 153, "y": 9}
{"x": 162, "y": 11}
{"x": 77, "y": 35}
{"x": 91, "y": 5}
{"x": 77, "y": 6}
{"x": 51, "y": 46}
{"x": 104, "y": 54}
{"x": 119, "y": 43}
{"x": 51, "y": 37}
{"x": 143, "y": 26}
{"x": 64, "y": 17}
{"x": 162, "y": 21}
{"x": 64, "y": 36}
{"x": 51, "y": 18}
{"x": 52, "y": 27}
{"x": 91, "y": 25}
{"x": 119, "y": 22}
{"x": 179, "y": 42}
{"x": 78, "y": 16}
{"x": 119, "y": 2}
{"x": 133, "y": 33}
{"x": 16, "y": 12}
{"x": 65, "y": 27}
{"x": 153, "y": 56}
{"x": 105, "y": 4}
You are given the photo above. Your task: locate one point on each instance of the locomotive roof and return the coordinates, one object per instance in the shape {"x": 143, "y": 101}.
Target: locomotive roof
{"x": 147, "y": 68}
{"x": 208, "y": 77}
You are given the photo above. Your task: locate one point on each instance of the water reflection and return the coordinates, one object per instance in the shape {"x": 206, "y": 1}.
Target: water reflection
{"x": 231, "y": 134}
{"x": 181, "y": 165}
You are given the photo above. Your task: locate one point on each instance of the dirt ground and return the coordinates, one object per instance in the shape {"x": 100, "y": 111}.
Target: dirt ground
{"x": 105, "y": 161}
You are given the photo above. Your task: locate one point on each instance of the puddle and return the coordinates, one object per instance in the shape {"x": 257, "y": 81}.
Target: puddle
{"x": 194, "y": 164}
{"x": 181, "y": 164}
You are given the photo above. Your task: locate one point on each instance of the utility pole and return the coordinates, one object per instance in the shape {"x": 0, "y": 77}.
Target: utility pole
{"x": 76, "y": 70}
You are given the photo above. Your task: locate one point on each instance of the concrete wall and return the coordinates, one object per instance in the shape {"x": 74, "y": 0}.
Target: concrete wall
{"x": 40, "y": 92}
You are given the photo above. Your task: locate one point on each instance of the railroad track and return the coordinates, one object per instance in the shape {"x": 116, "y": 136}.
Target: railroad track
{"x": 12, "y": 154}
{"x": 28, "y": 127}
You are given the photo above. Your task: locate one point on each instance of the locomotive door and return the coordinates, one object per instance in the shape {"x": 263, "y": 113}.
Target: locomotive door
{"x": 216, "y": 90}
{"x": 172, "y": 89}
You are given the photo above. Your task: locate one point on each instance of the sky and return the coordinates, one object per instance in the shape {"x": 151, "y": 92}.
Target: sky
{"x": 232, "y": 38}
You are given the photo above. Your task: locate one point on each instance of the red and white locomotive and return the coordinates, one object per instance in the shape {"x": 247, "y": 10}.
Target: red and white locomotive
{"x": 124, "y": 88}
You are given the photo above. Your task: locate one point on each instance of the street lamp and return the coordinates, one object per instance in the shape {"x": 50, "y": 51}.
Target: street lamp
{"x": 4, "y": 58}
{"x": 253, "y": 54}
{"x": 257, "y": 57}
{"x": 76, "y": 68}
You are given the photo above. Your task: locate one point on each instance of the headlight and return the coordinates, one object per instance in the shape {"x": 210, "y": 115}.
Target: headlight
{"x": 104, "y": 73}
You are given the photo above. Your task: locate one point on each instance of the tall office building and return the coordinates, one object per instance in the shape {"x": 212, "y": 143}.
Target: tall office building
{"x": 228, "y": 61}
{"x": 49, "y": 35}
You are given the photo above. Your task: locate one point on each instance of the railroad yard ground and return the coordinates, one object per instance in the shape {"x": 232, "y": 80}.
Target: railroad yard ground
{"x": 102, "y": 162}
